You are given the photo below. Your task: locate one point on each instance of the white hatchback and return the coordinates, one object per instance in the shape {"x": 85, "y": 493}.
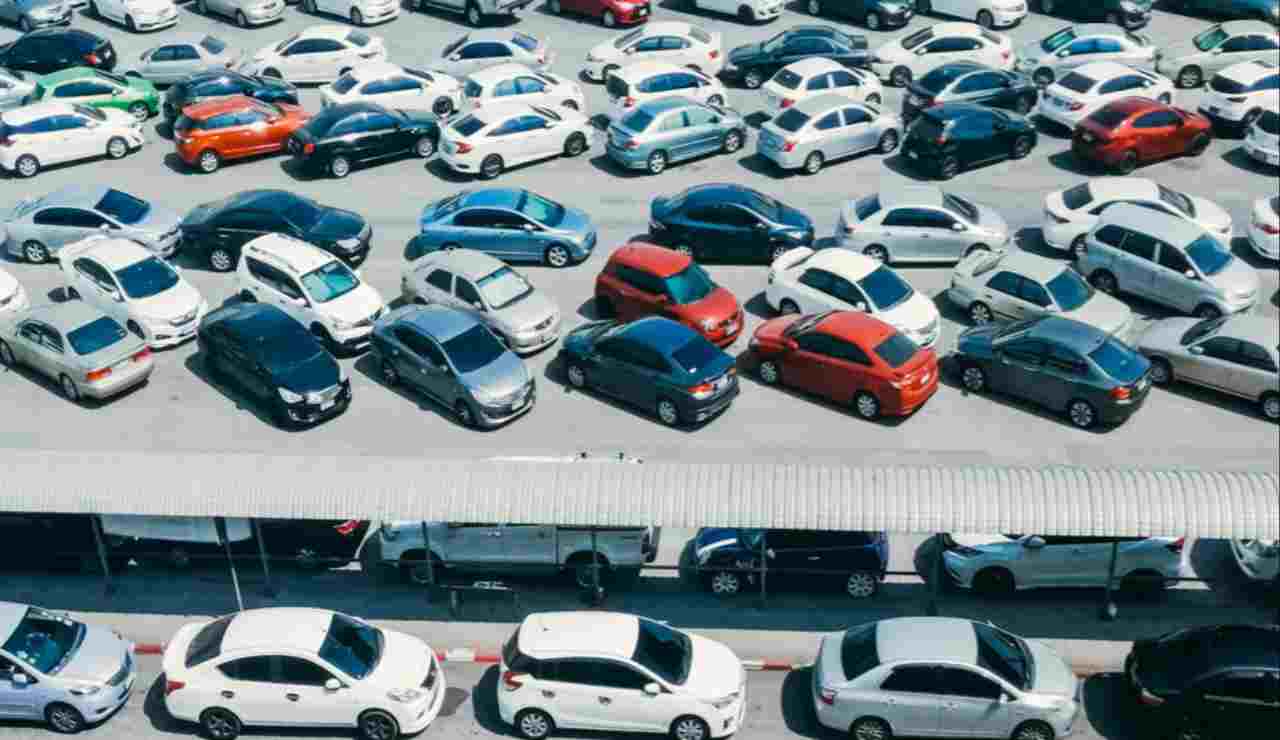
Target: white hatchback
{"x": 1262, "y": 141}
{"x": 43, "y": 134}
{"x": 498, "y": 136}
{"x": 316, "y": 54}
{"x": 986, "y": 13}
{"x": 644, "y": 81}
{"x": 1239, "y": 95}
{"x": 516, "y": 83}
{"x": 138, "y": 15}
{"x": 820, "y": 76}
{"x": 359, "y": 12}
{"x": 914, "y": 55}
{"x": 396, "y": 87}
{"x": 1085, "y": 89}
{"x": 682, "y": 44}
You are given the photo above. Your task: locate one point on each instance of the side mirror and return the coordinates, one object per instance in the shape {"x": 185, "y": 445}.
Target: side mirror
{"x": 1191, "y": 274}
{"x": 630, "y": 51}
{"x": 21, "y": 679}
{"x": 759, "y": 226}
{"x": 860, "y": 306}
{"x": 332, "y": 684}
{"x": 957, "y": 226}
{"x": 1035, "y": 542}
{"x": 116, "y": 296}
{"x": 1064, "y": 53}
{"x": 477, "y": 305}
{"x": 115, "y": 93}
{"x": 920, "y": 52}
{"x": 299, "y": 301}
{"x": 1197, "y": 350}
{"x": 652, "y": 689}
{"x": 1007, "y": 698}
{"x": 104, "y": 227}
{"x": 1217, "y": 50}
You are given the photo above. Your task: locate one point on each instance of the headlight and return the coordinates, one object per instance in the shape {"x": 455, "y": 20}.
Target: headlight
{"x": 485, "y": 397}
{"x": 404, "y": 696}
{"x": 341, "y": 325}
{"x": 724, "y": 702}
{"x": 85, "y": 689}
{"x": 349, "y": 243}
{"x": 289, "y": 396}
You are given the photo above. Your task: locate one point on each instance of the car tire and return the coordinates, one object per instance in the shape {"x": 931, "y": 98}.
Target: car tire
{"x": 948, "y": 168}
{"x": 71, "y": 293}
{"x": 690, "y": 728}
{"x": 973, "y": 378}
{"x": 1165, "y": 99}
{"x": 870, "y": 728}
{"x": 273, "y": 73}
{"x": 1127, "y": 163}
{"x": 1249, "y": 119}
{"x": 201, "y": 7}
{"x": 986, "y": 20}
{"x": 93, "y": 9}
{"x": 34, "y": 252}
{"x": 1034, "y": 730}
{"x": 745, "y": 16}
{"x": 924, "y": 6}
{"x": 604, "y": 308}
{"x": 812, "y": 163}
{"x": 117, "y": 148}
{"x": 732, "y": 142}
{"x": 1082, "y": 414}
{"x": 1104, "y": 281}
{"x": 1043, "y": 77}
{"x": 724, "y": 583}
{"x": 1198, "y": 145}
{"x": 376, "y": 724}
{"x": 219, "y": 724}
{"x": 1046, "y": 7}
{"x": 247, "y": 297}
{"x": 339, "y": 167}
{"x": 1161, "y": 371}
{"x": 576, "y": 376}
{"x": 716, "y": 100}
{"x": 208, "y": 162}
{"x": 242, "y": 20}
{"x": 788, "y": 307}
{"x": 900, "y": 77}
{"x": 442, "y": 108}
{"x": 862, "y": 584}
{"x": 877, "y": 253}
{"x": 130, "y": 25}
{"x": 608, "y": 70}
{"x": 994, "y": 582}
{"x": 1079, "y": 246}
{"x": 874, "y": 99}
{"x": 134, "y": 329}
{"x": 68, "y": 388}
{"x": 309, "y": 7}
{"x": 1207, "y": 311}
{"x": 866, "y": 405}
{"x": 557, "y": 255}
{"x": 357, "y": 18}
{"x": 752, "y": 79}
{"x": 581, "y": 570}
{"x": 27, "y": 166}
{"x": 1022, "y": 146}
{"x": 980, "y": 314}
{"x": 64, "y": 718}
{"x": 888, "y": 143}
{"x": 534, "y": 724}
{"x": 668, "y": 412}
{"x": 491, "y": 167}
{"x": 978, "y": 248}
{"x": 475, "y": 18}
{"x": 6, "y": 355}
{"x": 1190, "y": 76}
{"x": 24, "y": 24}
{"x": 140, "y": 111}
{"x": 769, "y": 372}
{"x": 777, "y": 251}
{"x": 656, "y": 163}
{"x": 1269, "y": 404}
{"x": 220, "y": 260}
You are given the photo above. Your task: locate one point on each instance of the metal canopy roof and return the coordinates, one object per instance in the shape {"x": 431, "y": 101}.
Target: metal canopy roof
{"x": 1051, "y": 500}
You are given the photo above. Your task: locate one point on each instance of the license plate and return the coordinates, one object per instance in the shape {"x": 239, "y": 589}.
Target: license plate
{"x": 327, "y": 405}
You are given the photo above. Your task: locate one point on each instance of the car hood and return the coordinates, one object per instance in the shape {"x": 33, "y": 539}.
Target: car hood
{"x": 575, "y": 221}
{"x": 893, "y": 51}
{"x": 581, "y": 339}
{"x": 265, "y": 53}
{"x": 99, "y": 656}
{"x": 794, "y": 217}
{"x": 915, "y": 313}
{"x": 746, "y": 54}
{"x": 337, "y": 223}
{"x": 1165, "y": 335}
{"x": 158, "y": 221}
{"x": 420, "y": 118}
{"x": 991, "y": 220}
{"x": 714, "y": 672}
{"x": 316, "y": 373}
{"x": 977, "y": 340}
{"x": 1210, "y": 215}
{"x": 527, "y": 312}
{"x": 151, "y": 6}
{"x": 507, "y": 374}
{"x": 404, "y": 663}
{"x": 172, "y": 303}
{"x": 605, "y": 50}
{"x": 356, "y": 305}
{"x": 8, "y": 284}
{"x": 718, "y": 305}
{"x": 1236, "y": 277}
{"x": 1103, "y": 311}
{"x": 116, "y": 117}
{"x": 1052, "y": 674}
{"x": 201, "y": 214}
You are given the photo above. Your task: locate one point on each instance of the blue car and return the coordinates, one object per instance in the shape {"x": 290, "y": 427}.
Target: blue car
{"x": 654, "y": 363}
{"x": 729, "y": 559}
{"x": 666, "y": 130}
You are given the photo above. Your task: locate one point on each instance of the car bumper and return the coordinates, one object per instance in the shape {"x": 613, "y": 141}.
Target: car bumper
{"x": 352, "y": 340}
{"x": 1262, "y": 154}
{"x": 631, "y": 159}
{"x": 310, "y": 413}
{"x": 378, "y": 15}
{"x": 1094, "y": 155}
{"x": 154, "y": 23}
{"x": 1226, "y": 120}
{"x": 923, "y": 161}
{"x": 1008, "y": 18}
{"x": 261, "y": 15}
{"x": 525, "y": 344}
{"x": 1113, "y": 414}
{"x": 48, "y": 21}
{"x": 767, "y": 14}
{"x": 1059, "y": 116}
{"x": 959, "y": 571}
{"x": 1132, "y": 21}
{"x": 792, "y": 160}
{"x": 723, "y": 336}
{"x": 731, "y": 719}
{"x": 106, "y": 701}
{"x": 172, "y": 336}
{"x": 696, "y": 412}
{"x": 910, "y": 401}
{"x": 1059, "y": 236}
{"x": 118, "y": 382}
{"x": 491, "y": 416}
{"x": 1266, "y": 245}
{"x": 468, "y": 163}
{"x": 631, "y": 17}
{"x": 428, "y": 713}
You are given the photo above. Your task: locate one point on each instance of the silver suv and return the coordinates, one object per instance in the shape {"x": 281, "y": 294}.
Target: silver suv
{"x": 1168, "y": 260}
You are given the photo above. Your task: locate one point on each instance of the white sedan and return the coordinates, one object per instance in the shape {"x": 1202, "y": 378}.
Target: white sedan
{"x": 359, "y": 12}
{"x": 137, "y": 15}
{"x": 678, "y": 43}
{"x": 393, "y": 86}
{"x": 747, "y": 11}
{"x": 1085, "y": 89}
{"x": 84, "y": 133}
{"x": 516, "y": 83}
{"x": 316, "y": 54}
{"x": 820, "y": 76}
{"x": 13, "y": 297}
{"x": 914, "y": 55}
{"x": 296, "y": 667}
{"x": 503, "y": 135}
{"x": 808, "y": 282}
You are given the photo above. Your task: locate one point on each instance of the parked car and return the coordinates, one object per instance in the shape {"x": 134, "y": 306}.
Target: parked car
{"x": 1167, "y": 260}
{"x": 48, "y": 50}
{"x": 1080, "y": 92}
{"x": 83, "y": 672}
{"x": 345, "y": 136}
{"x": 508, "y": 223}
{"x": 654, "y": 363}
{"x": 516, "y": 83}
{"x": 98, "y": 89}
{"x": 659, "y": 132}
{"x": 902, "y": 60}
{"x": 815, "y": 76}
{"x": 919, "y": 223}
{"x": 1059, "y": 364}
{"x": 272, "y": 359}
{"x": 1124, "y": 13}
{"x": 86, "y": 352}
{"x": 643, "y": 82}
{"x": 998, "y": 565}
{"x": 137, "y": 15}
{"x": 1263, "y": 10}
{"x": 476, "y": 11}
{"x": 752, "y": 64}
{"x": 474, "y": 51}
{"x": 524, "y": 318}
{"x": 38, "y": 227}
{"x": 970, "y": 82}
{"x": 1263, "y": 139}
{"x": 214, "y": 232}
{"x": 1264, "y": 227}
{"x": 202, "y": 86}
{"x": 1240, "y": 94}
{"x": 77, "y": 550}
{"x": 1194, "y": 682}
{"x": 642, "y": 280}
{"x": 457, "y": 361}
{"x": 13, "y": 297}
{"x": 247, "y": 13}
{"x": 316, "y": 54}
{"x": 946, "y": 139}
{"x": 725, "y": 221}
{"x": 1236, "y": 355}
{"x": 1072, "y": 46}
{"x": 667, "y": 680}
{"x": 31, "y": 14}
{"x": 874, "y": 14}
{"x": 746, "y": 11}
{"x": 488, "y": 141}
{"x": 219, "y": 130}
{"x": 729, "y": 559}
{"x": 359, "y": 12}
{"x": 825, "y": 128}
{"x": 986, "y": 13}
{"x": 82, "y": 133}
{"x": 184, "y": 543}
{"x": 897, "y": 675}
{"x": 679, "y": 43}
{"x": 397, "y": 87}
{"x": 15, "y": 86}
{"x": 1133, "y": 131}
{"x": 181, "y": 55}
{"x": 1216, "y": 48}
{"x": 610, "y": 12}
{"x": 391, "y": 682}
{"x": 1259, "y": 560}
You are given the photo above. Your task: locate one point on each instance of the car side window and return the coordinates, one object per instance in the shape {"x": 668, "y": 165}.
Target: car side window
{"x": 377, "y": 121}
{"x": 966, "y": 683}
{"x": 649, "y": 358}
{"x": 1222, "y": 348}
{"x": 579, "y": 671}
{"x": 674, "y": 122}
{"x": 704, "y": 214}
{"x": 700, "y": 117}
{"x": 73, "y": 217}
{"x": 430, "y": 351}
{"x": 485, "y": 50}
{"x": 615, "y": 675}
{"x": 1034, "y": 293}
{"x": 681, "y": 81}
{"x": 1236, "y": 44}
{"x": 819, "y": 280}
{"x": 505, "y": 88}
{"x": 302, "y": 672}
{"x": 806, "y": 46}
{"x": 413, "y": 341}
{"x": 1005, "y": 282}
{"x": 184, "y": 52}
{"x": 1030, "y": 352}
{"x": 829, "y": 121}
{"x": 1150, "y": 120}
{"x": 1256, "y": 357}
{"x": 303, "y": 46}
{"x": 1065, "y": 361}
{"x": 253, "y": 668}
{"x": 935, "y": 219}
{"x": 906, "y": 217}
{"x": 530, "y": 85}
{"x": 846, "y": 291}
{"x": 1120, "y": 84}
{"x": 1173, "y": 259}
{"x": 441, "y": 280}
{"x": 1080, "y": 46}
{"x": 1141, "y": 246}
{"x": 731, "y": 215}
{"x": 819, "y": 82}
{"x": 819, "y": 344}
{"x": 849, "y": 352}
{"x": 467, "y": 293}
{"x": 478, "y": 218}
{"x": 162, "y": 54}
{"x": 650, "y": 44}
{"x": 1107, "y": 46}
{"x": 1266, "y": 83}
{"x": 1111, "y": 235}
{"x": 404, "y": 84}
{"x": 1237, "y": 687}
{"x": 248, "y": 220}
{"x": 1265, "y": 43}
{"x": 855, "y": 116}
{"x": 672, "y": 43}
{"x": 376, "y": 87}
{"x": 913, "y": 679}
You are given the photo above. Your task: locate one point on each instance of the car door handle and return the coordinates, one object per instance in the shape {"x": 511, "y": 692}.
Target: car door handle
{"x": 548, "y": 694}
{"x": 228, "y": 694}
{"x": 291, "y": 697}
{"x": 606, "y": 700}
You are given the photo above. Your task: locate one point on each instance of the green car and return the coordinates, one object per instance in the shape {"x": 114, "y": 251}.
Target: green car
{"x": 99, "y": 89}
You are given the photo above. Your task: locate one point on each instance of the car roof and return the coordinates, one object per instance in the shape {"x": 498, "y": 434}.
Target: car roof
{"x": 1029, "y": 264}
{"x": 659, "y": 333}
{"x": 114, "y": 254}
{"x": 290, "y": 628}
{"x": 65, "y": 75}
{"x": 1095, "y": 29}
{"x": 217, "y": 106}
{"x": 1131, "y": 105}
{"x": 823, "y": 102}
{"x": 83, "y": 196}
{"x": 810, "y": 66}
{"x": 1108, "y": 188}
{"x": 660, "y": 105}
{"x": 913, "y": 639}
{"x": 957, "y": 69}
{"x": 298, "y": 256}
{"x": 186, "y": 37}
{"x": 35, "y": 112}
{"x": 500, "y": 72}
{"x": 843, "y": 262}
{"x": 438, "y": 322}
{"x": 374, "y": 71}
{"x": 642, "y": 70}
{"x": 952, "y": 111}
{"x": 909, "y": 194}
{"x": 1228, "y": 646}
{"x": 1240, "y": 28}
{"x": 577, "y": 633}
{"x": 11, "y": 613}
{"x": 663, "y": 28}
{"x": 65, "y": 316}
{"x": 467, "y": 263}
{"x": 496, "y": 112}
{"x": 1166, "y": 227}
{"x": 1069, "y": 333}
{"x": 252, "y": 322}
{"x": 651, "y": 258}
{"x": 955, "y": 28}
{"x": 1105, "y": 70}
{"x": 1264, "y": 330}
{"x": 326, "y": 31}
{"x": 492, "y": 198}
{"x": 723, "y": 192}
{"x": 814, "y": 29}
{"x": 71, "y": 33}
{"x": 260, "y": 197}
{"x": 1250, "y": 72}
{"x": 855, "y": 326}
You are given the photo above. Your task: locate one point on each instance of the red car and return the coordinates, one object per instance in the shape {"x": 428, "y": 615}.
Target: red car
{"x": 234, "y": 127}
{"x": 610, "y": 12}
{"x": 646, "y": 280}
{"x": 1131, "y": 131}
{"x": 847, "y": 357}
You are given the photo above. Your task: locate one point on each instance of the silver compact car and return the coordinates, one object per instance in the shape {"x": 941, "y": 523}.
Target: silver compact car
{"x": 1199, "y": 58}
{"x": 15, "y": 86}
{"x": 997, "y": 565}
{"x": 1073, "y": 46}
{"x": 183, "y": 54}
{"x": 1236, "y": 355}
{"x": 919, "y": 223}
{"x": 673, "y": 129}
{"x": 245, "y": 12}
{"x": 37, "y": 228}
{"x": 826, "y": 128}
{"x": 29, "y": 15}
{"x": 456, "y": 361}
{"x": 508, "y": 223}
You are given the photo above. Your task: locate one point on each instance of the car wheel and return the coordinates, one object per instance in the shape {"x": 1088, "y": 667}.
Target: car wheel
{"x": 71, "y": 293}
{"x": 862, "y": 585}
{"x": 462, "y": 412}
{"x": 357, "y": 18}
{"x": 474, "y": 16}
{"x": 1207, "y": 311}
{"x": 1250, "y": 118}
{"x": 219, "y": 724}
{"x": 877, "y": 253}
{"x": 788, "y": 307}
{"x": 576, "y": 376}
{"x": 657, "y": 163}
{"x": 1127, "y": 164}
{"x": 994, "y": 582}
{"x": 1165, "y": 99}
{"x": 986, "y": 20}
{"x": 443, "y": 107}
{"x": 900, "y": 77}
{"x": 68, "y": 388}
{"x": 134, "y": 329}
{"x": 1190, "y": 76}
{"x": 769, "y": 372}
{"x": 201, "y": 7}
{"x": 1105, "y": 282}
{"x": 491, "y": 167}
{"x": 714, "y": 99}
{"x": 732, "y": 142}
{"x": 1161, "y": 371}
{"x": 744, "y": 15}
{"x": 1270, "y": 405}
{"x": 1043, "y": 77}
{"x": 973, "y": 378}
{"x": 1082, "y": 414}
{"x": 667, "y": 412}
{"x": 35, "y": 252}
{"x": 139, "y": 111}
{"x": 609, "y": 20}
{"x": 690, "y": 728}
{"x": 557, "y": 255}
{"x": 241, "y": 20}
{"x": 1198, "y": 145}
{"x": 980, "y": 314}
{"x": 534, "y": 724}
{"x": 378, "y": 725}
{"x": 976, "y": 249}
{"x": 93, "y": 9}
{"x": 390, "y": 375}
{"x": 870, "y": 728}
{"x": 812, "y": 163}
{"x": 339, "y": 167}
{"x": 725, "y": 583}
{"x": 117, "y": 147}
{"x": 1046, "y": 7}
{"x": 874, "y": 99}
{"x": 209, "y": 161}
{"x": 1024, "y": 104}
{"x": 64, "y": 718}
{"x": 752, "y": 80}
{"x": 1078, "y": 247}
{"x": 306, "y": 558}
{"x": 608, "y": 70}
{"x": 867, "y": 406}
{"x": 425, "y": 147}
{"x": 221, "y": 260}
{"x": 309, "y": 6}
{"x": 1033, "y": 731}
{"x": 1021, "y": 147}
{"x": 814, "y": 7}
{"x": 948, "y": 168}
{"x": 27, "y": 166}
{"x": 6, "y": 355}
{"x": 778, "y": 251}
{"x": 888, "y": 142}
{"x": 129, "y": 24}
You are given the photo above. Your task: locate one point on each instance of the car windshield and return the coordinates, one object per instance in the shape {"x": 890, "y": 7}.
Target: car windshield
{"x": 664, "y": 651}
{"x": 1004, "y": 654}
{"x": 858, "y": 653}
{"x": 1077, "y": 197}
{"x": 503, "y": 287}
{"x": 690, "y": 285}
{"x": 897, "y": 350}
{"x": 1053, "y": 42}
{"x": 1210, "y": 39}
{"x": 1203, "y": 330}
{"x": 763, "y": 205}
{"x": 788, "y": 79}
{"x": 867, "y": 207}
{"x": 805, "y": 323}
{"x": 468, "y": 125}
{"x": 291, "y": 345}
{"x": 696, "y": 354}
{"x": 961, "y": 206}
{"x": 45, "y": 641}
{"x": 917, "y": 38}
{"x": 1270, "y": 123}
{"x": 773, "y": 44}
{"x": 95, "y": 335}
{"x": 885, "y": 288}
{"x": 627, "y": 38}
{"x": 473, "y": 349}
{"x": 88, "y": 112}
{"x": 1178, "y": 200}
{"x": 212, "y": 45}
{"x": 344, "y": 84}
{"x": 1076, "y": 82}
{"x": 123, "y": 207}
{"x": 791, "y": 120}
{"x": 1117, "y": 360}
{"x": 149, "y": 277}
{"x": 1209, "y": 255}
{"x": 937, "y": 80}
{"x": 331, "y": 281}
{"x": 1227, "y": 86}
{"x": 302, "y": 213}
{"x": 1275, "y": 205}
{"x": 1069, "y": 290}
{"x": 637, "y": 120}
{"x": 540, "y": 209}
{"x": 524, "y": 41}
{"x": 352, "y": 646}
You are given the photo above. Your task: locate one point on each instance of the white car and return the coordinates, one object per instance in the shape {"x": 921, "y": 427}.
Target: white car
{"x": 51, "y": 133}
{"x": 516, "y": 83}
{"x": 641, "y": 82}
{"x": 1258, "y": 559}
{"x": 1085, "y": 89}
{"x": 1071, "y": 213}
{"x": 914, "y": 55}
{"x": 1237, "y": 96}
{"x": 13, "y": 297}
{"x": 137, "y": 15}
{"x": 1083, "y": 43}
{"x": 681, "y": 44}
{"x": 297, "y": 667}
{"x": 1264, "y": 227}
{"x": 617, "y": 672}
{"x": 316, "y": 54}
{"x": 312, "y": 286}
{"x": 477, "y": 50}
{"x": 396, "y": 87}
{"x": 986, "y": 13}
{"x": 503, "y": 135}
{"x": 359, "y": 12}
{"x": 820, "y": 76}
{"x": 808, "y": 282}
{"x": 1262, "y": 141}
{"x": 747, "y": 11}
{"x": 129, "y": 283}
{"x": 1001, "y": 564}
{"x": 15, "y": 87}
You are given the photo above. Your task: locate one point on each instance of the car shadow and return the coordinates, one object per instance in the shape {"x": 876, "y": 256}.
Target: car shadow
{"x": 1051, "y": 129}
{"x": 1200, "y": 394}
{"x": 949, "y": 311}
{"x": 604, "y": 163}
{"x": 437, "y": 167}
{"x": 484, "y": 703}
{"x": 176, "y": 165}
{"x": 195, "y": 364}
{"x": 1110, "y": 710}
{"x": 164, "y": 130}
{"x": 367, "y": 365}
{"x": 157, "y": 713}
{"x": 1069, "y": 162}
{"x": 489, "y": 21}
{"x": 798, "y": 713}
{"x": 554, "y": 373}
{"x": 746, "y": 365}
{"x": 589, "y": 310}
{"x": 292, "y": 167}
{"x": 901, "y": 165}
{"x": 759, "y": 307}
{"x": 1239, "y": 158}
{"x": 1031, "y": 239}
{"x": 756, "y": 164}
{"x": 949, "y": 375}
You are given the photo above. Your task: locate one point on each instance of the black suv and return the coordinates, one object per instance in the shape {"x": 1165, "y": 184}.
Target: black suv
{"x": 952, "y": 137}
{"x": 274, "y": 359}
{"x": 344, "y": 135}
{"x": 221, "y": 83}
{"x": 970, "y": 82}
{"x": 51, "y": 50}
{"x": 874, "y": 14}
{"x": 1127, "y": 13}
{"x": 752, "y": 64}
{"x": 728, "y": 222}
{"x": 729, "y": 560}
{"x": 1209, "y": 682}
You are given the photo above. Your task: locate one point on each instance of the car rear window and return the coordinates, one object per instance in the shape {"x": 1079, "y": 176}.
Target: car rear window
{"x": 787, "y": 79}
{"x": 359, "y": 38}
{"x": 95, "y": 335}
{"x": 637, "y": 120}
{"x": 468, "y": 125}
{"x": 1076, "y": 82}
{"x": 791, "y": 120}
{"x": 1077, "y": 197}
{"x": 517, "y": 662}
{"x": 1108, "y": 117}
{"x": 1227, "y": 86}
{"x": 524, "y": 41}
{"x": 212, "y": 45}
{"x": 1118, "y": 361}
{"x": 1270, "y": 123}
{"x": 695, "y": 355}
{"x": 207, "y": 644}
{"x": 897, "y": 350}
{"x": 343, "y": 84}
{"x": 858, "y": 651}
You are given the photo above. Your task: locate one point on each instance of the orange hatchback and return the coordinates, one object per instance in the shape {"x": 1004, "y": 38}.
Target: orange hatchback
{"x": 209, "y": 133}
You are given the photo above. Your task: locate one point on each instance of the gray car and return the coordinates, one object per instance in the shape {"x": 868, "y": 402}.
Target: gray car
{"x": 825, "y": 128}
{"x": 509, "y": 223}
{"x": 245, "y": 12}
{"x": 1168, "y": 260}
{"x": 473, "y": 282}
{"x": 1067, "y": 48}
{"x": 1238, "y": 355}
{"x": 184, "y": 54}
{"x": 919, "y": 223}
{"x": 456, "y": 361}
{"x": 659, "y": 132}
{"x": 31, "y": 14}
{"x": 480, "y": 49}
{"x": 15, "y": 86}
{"x": 36, "y": 228}
{"x": 1209, "y": 52}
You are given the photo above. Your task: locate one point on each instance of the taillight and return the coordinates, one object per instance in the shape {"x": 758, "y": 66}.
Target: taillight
{"x": 628, "y": 101}
{"x": 1006, "y": 54}
{"x": 140, "y": 356}
{"x": 934, "y": 104}
{"x": 1122, "y": 393}
{"x": 940, "y": 140}
{"x": 788, "y": 145}
{"x": 788, "y": 102}
{"x": 511, "y": 680}
{"x": 96, "y": 375}
{"x": 1176, "y": 545}
{"x": 92, "y": 58}
{"x": 1267, "y": 228}
{"x": 631, "y": 144}
{"x": 7, "y": 141}
{"x": 309, "y": 148}
{"x": 702, "y": 390}
{"x": 826, "y": 696}
{"x": 463, "y": 147}
{"x": 346, "y": 528}
{"x": 713, "y": 54}
{"x": 171, "y": 686}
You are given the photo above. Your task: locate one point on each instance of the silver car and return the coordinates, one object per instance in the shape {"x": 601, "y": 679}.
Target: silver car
{"x": 87, "y": 353}
{"x": 477, "y": 50}
{"x": 1237, "y": 355}
{"x": 184, "y": 54}
{"x": 659, "y": 132}
{"x": 1047, "y": 59}
{"x": 32, "y": 14}
{"x": 825, "y": 128}
{"x": 997, "y": 565}
{"x": 36, "y": 228}
{"x": 1168, "y": 260}
{"x": 456, "y": 361}
{"x": 525, "y": 318}
{"x": 245, "y": 12}
{"x": 919, "y": 223}
{"x": 15, "y": 86}
{"x": 1190, "y": 63}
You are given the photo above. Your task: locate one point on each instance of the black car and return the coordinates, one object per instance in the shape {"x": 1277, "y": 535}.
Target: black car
{"x": 752, "y": 64}
{"x": 308, "y": 544}
{"x": 728, "y": 222}
{"x": 874, "y": 14}
{"x": 50, "y": 50}
{"x": 970, "y": 82}
{"x": 1059, "y": 363}
{"x": 1264, "y": 10}
{"x": 24, "y": 534}
{"x": 343, "y": 135}
{"x": 729, "y": 559}
{"x": 1128, "y": 13}
{"x": 216, "y": 231}
{"x": 952, "y": 137}
{"x": 274, "y": 359}
{"x": 1208, "y": 683}
{"x": 220, "y": 83}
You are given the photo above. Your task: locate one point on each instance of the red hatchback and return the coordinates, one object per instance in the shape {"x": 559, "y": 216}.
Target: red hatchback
{"x": 1131, "y": 131}
{"x": 646, "y": 280}
{"x": 847, "y": 357}
{"x": 610, "y": 12}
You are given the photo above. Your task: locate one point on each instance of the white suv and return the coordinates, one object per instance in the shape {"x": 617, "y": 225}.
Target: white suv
{"x": 313, "y": 287}
{"x": 611, "y": 672}
{"x": 1237, "y": 96}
